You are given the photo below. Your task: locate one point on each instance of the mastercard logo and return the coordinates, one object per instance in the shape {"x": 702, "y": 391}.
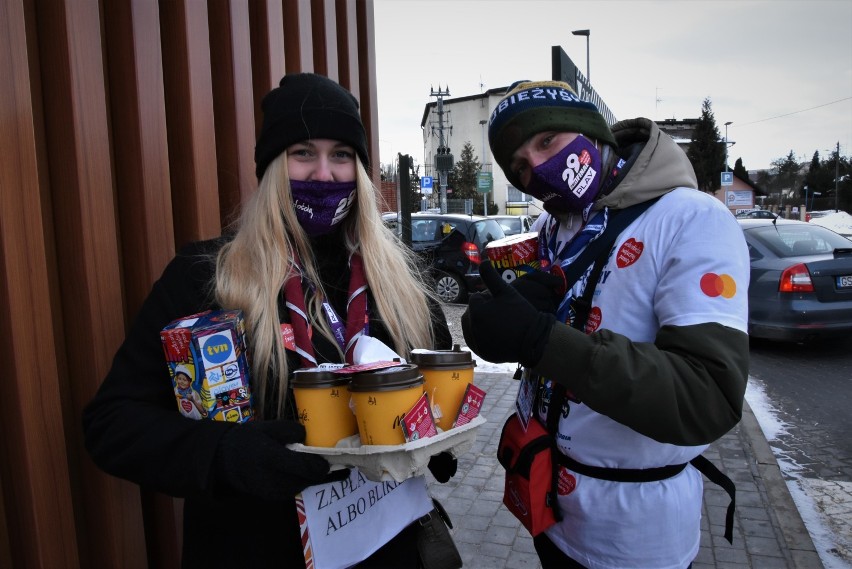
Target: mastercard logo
{"x": 714, "y": 285}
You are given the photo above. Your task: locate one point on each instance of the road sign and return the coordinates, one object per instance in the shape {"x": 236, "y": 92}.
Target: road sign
{"x": 727, "y": 178}
{"x": 426, "y": 184}
{"x": 484, "y": 182}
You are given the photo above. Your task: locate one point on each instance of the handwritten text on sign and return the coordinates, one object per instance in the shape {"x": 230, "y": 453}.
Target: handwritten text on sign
{"x": 350, "y": 519}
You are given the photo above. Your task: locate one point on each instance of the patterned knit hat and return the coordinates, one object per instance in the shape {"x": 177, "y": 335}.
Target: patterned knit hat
{"x": 308, "y": 106}
{"x": 530, "y": 107}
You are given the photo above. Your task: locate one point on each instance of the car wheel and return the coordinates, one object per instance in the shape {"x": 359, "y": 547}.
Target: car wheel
{"x": 450, "y": 288}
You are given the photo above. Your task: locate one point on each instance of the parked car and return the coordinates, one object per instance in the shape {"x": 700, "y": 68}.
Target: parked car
{"x": 756, "y": 214}
{"x": 514, "y": 224}
{"x": 450, "y": 247}
{"x": 801, "y": 280}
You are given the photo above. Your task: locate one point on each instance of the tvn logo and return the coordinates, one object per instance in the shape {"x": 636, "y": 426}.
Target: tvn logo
{"x": 218, "y": 348}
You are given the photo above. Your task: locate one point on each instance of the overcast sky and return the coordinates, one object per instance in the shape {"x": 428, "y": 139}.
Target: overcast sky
{"x": 780, "y": 70}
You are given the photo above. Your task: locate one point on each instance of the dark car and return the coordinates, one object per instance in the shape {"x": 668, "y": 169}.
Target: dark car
{"x": 756, "y": 214}
{"x": 451, "y": 246}
{"x": 801, "y": 280}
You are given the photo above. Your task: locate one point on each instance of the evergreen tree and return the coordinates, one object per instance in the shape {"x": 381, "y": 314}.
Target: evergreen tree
{"x": 464, "y": 174}
{"x": 814, "y": 179}
{"x": 740, "y": 170}
{"x": 707, "y": 151}
{"x": 414, "y": 189}
{"x": 787, "y": 180}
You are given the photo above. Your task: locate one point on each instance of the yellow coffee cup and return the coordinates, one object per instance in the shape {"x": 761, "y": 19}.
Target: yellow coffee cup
{"x": 446, "y": 373}
{"x": 381, "y": 398}
{"x": 322, "y": 402}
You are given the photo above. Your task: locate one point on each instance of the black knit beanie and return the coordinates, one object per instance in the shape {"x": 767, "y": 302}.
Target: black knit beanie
{"x": 308, "y": 106}
{"x": 532, "y": 107}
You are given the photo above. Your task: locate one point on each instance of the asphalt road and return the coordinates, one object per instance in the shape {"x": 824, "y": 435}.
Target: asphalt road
{"x": 810, "y": 386}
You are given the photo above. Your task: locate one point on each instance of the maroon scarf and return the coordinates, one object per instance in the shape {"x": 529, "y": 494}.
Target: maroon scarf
{"x": 356, "y": 313}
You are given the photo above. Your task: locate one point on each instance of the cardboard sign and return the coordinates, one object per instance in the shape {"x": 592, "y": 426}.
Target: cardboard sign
{"x": 343, "y": 523}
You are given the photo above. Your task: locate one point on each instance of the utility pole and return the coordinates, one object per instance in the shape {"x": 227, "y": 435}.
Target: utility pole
{"x": 443, "y": 159}
{"x": 836, "y": 175}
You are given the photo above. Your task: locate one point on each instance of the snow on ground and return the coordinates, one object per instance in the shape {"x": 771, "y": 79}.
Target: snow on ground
{"x": 838, "y": 221}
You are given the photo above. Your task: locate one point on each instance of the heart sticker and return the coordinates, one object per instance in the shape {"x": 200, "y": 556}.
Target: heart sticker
{"x": 594, "y": 320}
{"x": 629, "y": 253}
{"x": 567, "y": 482}
{"x": 186, "y": 405}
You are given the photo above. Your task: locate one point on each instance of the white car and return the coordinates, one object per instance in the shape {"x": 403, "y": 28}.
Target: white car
{"x": 514, "y": 224}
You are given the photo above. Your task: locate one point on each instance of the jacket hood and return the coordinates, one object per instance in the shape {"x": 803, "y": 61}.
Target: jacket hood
{"x": 660, "y": 166}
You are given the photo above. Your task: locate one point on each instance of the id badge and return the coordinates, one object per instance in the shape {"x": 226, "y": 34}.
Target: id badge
{"x": 526, "y": 397}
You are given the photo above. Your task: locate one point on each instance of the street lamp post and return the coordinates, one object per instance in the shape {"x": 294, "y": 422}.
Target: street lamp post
{"x": 586, "y": 33}
{"x": 726, "y": 144}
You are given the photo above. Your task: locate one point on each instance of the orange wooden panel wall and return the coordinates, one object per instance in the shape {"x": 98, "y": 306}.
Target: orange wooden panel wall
{"x": 127, "y": 129}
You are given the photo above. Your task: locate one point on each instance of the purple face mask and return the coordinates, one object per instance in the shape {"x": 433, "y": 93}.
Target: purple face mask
{"x": 321, "y": 205}
{"x": 570, "y": 180}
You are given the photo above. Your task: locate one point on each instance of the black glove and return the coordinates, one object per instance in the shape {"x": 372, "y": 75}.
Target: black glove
{"x": 543, "y": 290}
{"x": 252, "y": 460}
{"x": 443, "y": 466}
{"x": 503, "y": 326}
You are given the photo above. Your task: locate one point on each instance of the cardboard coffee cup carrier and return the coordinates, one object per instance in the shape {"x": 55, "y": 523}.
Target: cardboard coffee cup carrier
{"x": 391, "y": 407}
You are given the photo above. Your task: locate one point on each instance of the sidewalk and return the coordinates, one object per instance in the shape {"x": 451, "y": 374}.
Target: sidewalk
{"x": 768, "y": 530}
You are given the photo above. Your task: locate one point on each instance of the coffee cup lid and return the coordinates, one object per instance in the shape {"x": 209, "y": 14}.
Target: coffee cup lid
{"x": 318, "y": 378}
{"x": 390, "y": 378}
{"x": 443, "y": 358}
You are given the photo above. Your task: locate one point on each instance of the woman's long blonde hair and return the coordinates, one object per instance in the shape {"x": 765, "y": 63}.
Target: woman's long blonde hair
{"x": 252, "y": 268}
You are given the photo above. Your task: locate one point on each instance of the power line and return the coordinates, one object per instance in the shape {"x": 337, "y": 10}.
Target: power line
{"x": 796, "y": 112}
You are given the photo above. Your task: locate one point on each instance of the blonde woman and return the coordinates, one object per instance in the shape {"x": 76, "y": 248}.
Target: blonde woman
{"x": 309, "y": 244}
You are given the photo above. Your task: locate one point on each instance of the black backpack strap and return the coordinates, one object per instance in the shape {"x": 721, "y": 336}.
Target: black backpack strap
{"x": 716, "y": 476}
{"x": 554, "y": 411}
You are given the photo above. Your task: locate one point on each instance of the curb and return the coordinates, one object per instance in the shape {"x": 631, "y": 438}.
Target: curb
{"x": 787, "y": 517}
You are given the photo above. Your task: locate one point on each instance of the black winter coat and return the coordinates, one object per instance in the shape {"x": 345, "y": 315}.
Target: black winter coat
{"x": 133, "y": 429}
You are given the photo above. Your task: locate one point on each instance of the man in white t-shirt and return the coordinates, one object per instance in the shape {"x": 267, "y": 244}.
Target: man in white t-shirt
{"x": 651, "y": 361}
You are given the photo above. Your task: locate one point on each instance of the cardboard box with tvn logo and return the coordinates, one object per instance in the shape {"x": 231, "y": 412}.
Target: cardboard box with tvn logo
{"x": 208, "y": 364}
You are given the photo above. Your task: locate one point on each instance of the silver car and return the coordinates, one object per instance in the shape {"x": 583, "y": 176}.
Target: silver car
{"x": 514, "y": 224}
{"x": 801, "y": 280}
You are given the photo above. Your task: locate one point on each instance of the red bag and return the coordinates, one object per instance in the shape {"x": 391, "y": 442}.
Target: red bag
{"x": 527, "y": 457}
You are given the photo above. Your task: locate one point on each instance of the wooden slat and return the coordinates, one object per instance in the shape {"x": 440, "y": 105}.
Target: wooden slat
{"x": 144, "y": 200}
{"x": 298, "y": 36}
{"x": 77, "y": 134}
{"x": 188, "y": 87}
{"x": 324, "y": 27}
{"x": 233, "y": 104}
{"x": 267, "y": 48}
{"x": 367, "y": 65}
{"x": 37, "y": 509}
{"x": 347, "y": 46}
{"x": 137, "y": 108}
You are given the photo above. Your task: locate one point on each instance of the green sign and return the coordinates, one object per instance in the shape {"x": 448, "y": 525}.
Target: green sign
{"x": 484, "y": 182}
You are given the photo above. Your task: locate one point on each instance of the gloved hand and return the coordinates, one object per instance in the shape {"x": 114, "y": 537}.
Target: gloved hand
{"x": 503, "y": 326}
{"x": 443, "y": 466}
{"x": 252, "y": 460}
{"x": 541, "y": 289}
